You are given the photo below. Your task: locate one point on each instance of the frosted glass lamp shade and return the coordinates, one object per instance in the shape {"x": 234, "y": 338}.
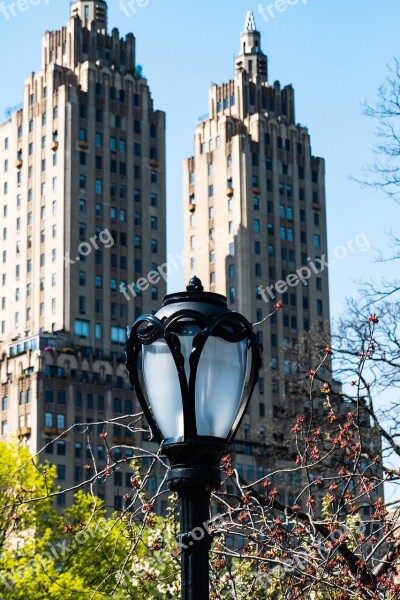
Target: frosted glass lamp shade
{"x": 163, "y": 390}
{"x": 219, "y": 386}
{"x": 220, "y": 380}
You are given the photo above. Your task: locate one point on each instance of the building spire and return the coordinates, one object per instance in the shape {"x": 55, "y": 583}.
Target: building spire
{"x": 91, "y": 11}
{"x": 250, "y": 24}
{"x": 251, "y": 58}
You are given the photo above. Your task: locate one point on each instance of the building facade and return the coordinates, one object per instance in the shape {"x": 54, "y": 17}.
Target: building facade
{"x": 82, "y": 213}
{"x": 255, "y": 226}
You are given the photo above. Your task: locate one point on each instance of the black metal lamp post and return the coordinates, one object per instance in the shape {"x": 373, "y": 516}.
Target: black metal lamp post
{"x": 200, "y": 363}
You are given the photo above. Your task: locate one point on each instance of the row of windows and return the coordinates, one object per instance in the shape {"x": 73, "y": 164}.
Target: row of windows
{"x": 82, "y": 202}
{"x": 115, "y": 143}
{"x": 59, "y": 395}
{"x": 293, "y": 304}
{"x": 24, "y": 397}
{"x": 83, "y": 114}
{"x": 29, "y": 261}
{"x": 211, "y": 145}
{"x": 255, "y": 180}
{"x": 114, "y": 287}
{"x": 285, "y": 189}
{"x": 284, "y": 212}
{"x": 43, "y": 186}
{"x": 226, "y": 103}
{"x": 85, "y": 376}
{"x": 54, "y": 420}
{"x": 115, "y": 312}
{"x": 82, "y": 328}
{"x": 114, "y": 93}
{"x": 288, "y": 254}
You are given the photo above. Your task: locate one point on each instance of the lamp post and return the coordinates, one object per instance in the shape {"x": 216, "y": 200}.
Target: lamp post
{"x": 194, "y": 365}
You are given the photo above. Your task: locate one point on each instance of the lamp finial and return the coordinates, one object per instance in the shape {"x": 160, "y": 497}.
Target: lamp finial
{"x": 195, "y": 285}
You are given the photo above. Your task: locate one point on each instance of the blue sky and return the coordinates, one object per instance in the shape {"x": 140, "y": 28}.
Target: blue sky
{"x": 334, "y": 54}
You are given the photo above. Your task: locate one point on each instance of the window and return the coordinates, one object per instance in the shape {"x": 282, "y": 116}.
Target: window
{"x": 256, "y": 203}
{"x": 60, "y": 421}
{"x": 82, "y": 278}
{"x": 257, "y": 247}
{"x": 153, "y": 223}
{"x": 61, "y": 448}
{"x": 317, "y": 241}
{"x": 61, "y": 472}
{"x": 82, "y": 327}
{"x": 258, "y": 270}
{"x": 82, "y": 305}
{"x": 48, "y": 419}
{"x": 78, "y": 450}
{"x": 231, "y": 272}
{"x": 319, "y": 307}
{"x": 153, "y": 154}
{"x": 99, "y": 186}
{"x": 256, "y": 225}
{"x": 89, "y": 401}
{"x": 118, "y": 335}
{"x": 154, "y": 246}
{"x": 153, "y": 199}
{"x": 210, "y": 191}
{"x": 82, "y": 206}
{"x": 282, "y": 233}
{"x": 232, "y": 295}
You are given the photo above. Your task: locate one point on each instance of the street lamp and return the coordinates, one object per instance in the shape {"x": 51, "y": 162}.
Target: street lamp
{"x": 194, "y": 365}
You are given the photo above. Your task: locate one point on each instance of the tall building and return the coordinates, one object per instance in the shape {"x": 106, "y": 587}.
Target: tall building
{"x": 82, "y": 205}
{"x": 254, "y": 215}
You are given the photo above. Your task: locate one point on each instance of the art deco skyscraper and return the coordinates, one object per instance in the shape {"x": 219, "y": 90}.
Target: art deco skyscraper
{"x": 255, "y": 214}
{"x": 82, "y": 205}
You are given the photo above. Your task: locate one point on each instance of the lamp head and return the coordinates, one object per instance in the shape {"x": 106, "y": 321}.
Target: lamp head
{"x": 200, "y": 363}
